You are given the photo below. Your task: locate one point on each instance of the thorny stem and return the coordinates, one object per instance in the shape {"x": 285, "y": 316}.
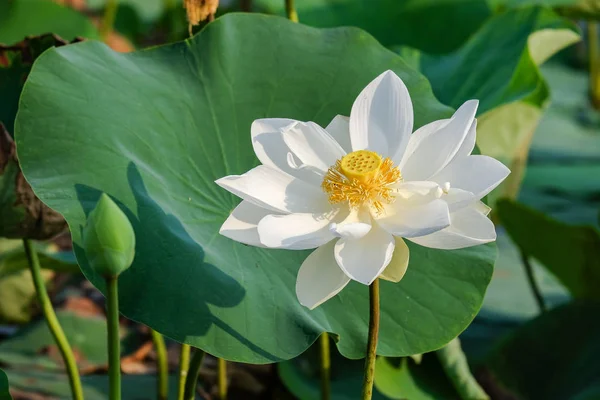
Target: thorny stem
{"x": 114, "y": 341}
{"x": 290, "y": 11}
{"x": 222, "y": 378}
{"x": 162, "y": 388}
{"x": 325, "y": 366}
{"x": 369, "y": 378}
{"x": 184, "y": 365}
{"x": 594, "y": 54}
{"x": 532, "y": 283}
{"x": 192, "y": 378}
{"x": 108, "y": 20}
{"x": 57, "y": 333}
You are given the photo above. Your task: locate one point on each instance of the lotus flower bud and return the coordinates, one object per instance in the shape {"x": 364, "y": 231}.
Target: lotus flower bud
{"x": 108, "y": 239}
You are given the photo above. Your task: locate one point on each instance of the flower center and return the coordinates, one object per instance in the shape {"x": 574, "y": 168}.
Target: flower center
{"x": 362, "y": 177}
{"x": 361, "y": 165}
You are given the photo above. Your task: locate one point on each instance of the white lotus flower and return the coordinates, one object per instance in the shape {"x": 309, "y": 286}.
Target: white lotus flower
{"x": 354, "y": 189}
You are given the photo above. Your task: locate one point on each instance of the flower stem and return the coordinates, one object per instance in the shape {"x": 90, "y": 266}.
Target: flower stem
{"x": 369, "y": 378}
{"x": 192, "y": 377}
{"x": 55, "y": 329}
{"x": 290, "y": 11}
{"x": 108, "y": 20}
{"x": 532, "y": 283}
{"x": 594, "y": 55}
{"x": 325, "y": 366}
{"x": 114, "y": 343}
{"x": 184, "y": 365}
{"x": 222, "y": 378}
{"x": 162, "y": 389}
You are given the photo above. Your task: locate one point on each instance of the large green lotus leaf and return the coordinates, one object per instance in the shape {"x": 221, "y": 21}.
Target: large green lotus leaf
{"x": 507, "y": 80}
{"x": 553, "y": 357}
{"x": 572, "y": 253}
{"x": 154, "y": 129}
{"x": 22, "y": 18}
{"x": 4, "y": 393}
{"x": 434, "y": 26}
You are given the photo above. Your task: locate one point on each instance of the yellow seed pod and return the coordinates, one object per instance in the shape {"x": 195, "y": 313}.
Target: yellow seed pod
{"x": 361, "y": 165}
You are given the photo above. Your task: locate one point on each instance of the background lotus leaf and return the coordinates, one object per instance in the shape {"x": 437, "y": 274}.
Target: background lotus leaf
{"x": 22, "y": 18}
{"x": 154, "y": 129}
{"x": 565, "y": 342}
{"x": 571, "y": 253}
{"x": 507, "y": 81}
{"x": 434, "y": 26}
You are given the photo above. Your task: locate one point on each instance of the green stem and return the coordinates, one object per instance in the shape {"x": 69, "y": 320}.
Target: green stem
{"x": 55, "y": 329}
{"x": 369, "y": 378}
{"x": 325, "y": 367}
{"x": 114, "y": 343}
{"x": 184, "y": 365}
{"x": 290, "y": 11}
{"x": 192, "y": 378}
{"x": 222, "y": 378}
{"x": 162, "y": 388}
{"x": 594, "y": 54}
{"x": 533, "y": 283}
{"x": 108, "y": 20}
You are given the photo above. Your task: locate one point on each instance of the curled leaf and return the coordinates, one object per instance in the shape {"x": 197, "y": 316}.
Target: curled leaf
{"x": 22, "y": 214}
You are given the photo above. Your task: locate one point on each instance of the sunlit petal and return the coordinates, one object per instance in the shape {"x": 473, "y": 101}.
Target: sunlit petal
{"x": 469, "y": 227}
{"x": 476, "y": 174}
{"x": 272, "y": 189}
{"x": 295, "y": 231}
{"x": 434, "y": 150}
{"x": 319, "y": 277}
{"x": 396, "y": 269}
{"x": 242, "y": 223}
{"x": 365, "y": 258}
{"x": 312, "y": 145}
{"x": 381, "y": 119}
